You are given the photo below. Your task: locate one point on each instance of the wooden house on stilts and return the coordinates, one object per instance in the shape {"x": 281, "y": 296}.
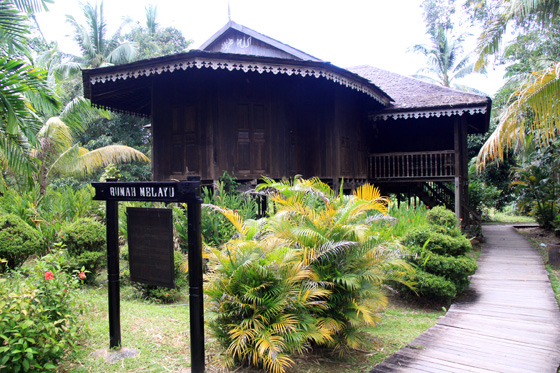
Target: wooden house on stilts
{"x": 252, "y": 106}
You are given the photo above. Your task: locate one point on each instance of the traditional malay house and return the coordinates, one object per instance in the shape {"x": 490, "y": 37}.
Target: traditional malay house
{"x": 252, "y": 106}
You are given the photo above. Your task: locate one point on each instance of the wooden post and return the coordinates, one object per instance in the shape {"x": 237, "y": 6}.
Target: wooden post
{"x": 196, "y": 294}
{"x": 458, "y": 167}
{"x": 113, "y": 274}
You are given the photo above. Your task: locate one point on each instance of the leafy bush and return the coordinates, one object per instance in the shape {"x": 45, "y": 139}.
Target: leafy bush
{"x": 310, "y": 275}
{"x": 482, "y": 197}
{"x": 442, "y": 217}
{"x": 86, "y": 244}
{"x": 438, "y": 251}
{"x": 455, "y": 269}
{"x": 435, "y": 287}
{"x": 440, "y": 240}
{"x": 48, "y": 213}
{"x": 39, "y": 317}
{"x": 215, "y": 228}
{"x": 160, "y": 294}
{"x": 18, "y": 240}
{"x": 400, "y": 220}
{"x": 261, "y": 300}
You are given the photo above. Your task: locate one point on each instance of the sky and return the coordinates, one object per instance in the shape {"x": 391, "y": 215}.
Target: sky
{"x": 345, "y": 33}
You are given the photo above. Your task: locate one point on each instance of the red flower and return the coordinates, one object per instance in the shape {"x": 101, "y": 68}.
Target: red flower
{"x": 236, "y": 211}
{"x": 49, "y": 275}
{"x": 82, "y": 275}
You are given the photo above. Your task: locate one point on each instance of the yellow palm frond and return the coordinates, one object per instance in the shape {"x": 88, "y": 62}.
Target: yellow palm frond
{"x": 235, "y": 219}
{"x": 538, "y": 97}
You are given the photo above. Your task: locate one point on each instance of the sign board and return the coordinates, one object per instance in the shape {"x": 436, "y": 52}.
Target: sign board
{"x": 166, "y": 191}
{"x": 150, "y": 246}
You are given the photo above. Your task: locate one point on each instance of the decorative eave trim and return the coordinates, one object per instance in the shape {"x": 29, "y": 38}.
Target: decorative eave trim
{"x": 429, "y": 113}
{"x": 231, "y": 65}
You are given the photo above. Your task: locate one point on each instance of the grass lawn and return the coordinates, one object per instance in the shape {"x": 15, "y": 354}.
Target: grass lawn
{"x": 161, "y": 335}
{"x": 498, "y": 217}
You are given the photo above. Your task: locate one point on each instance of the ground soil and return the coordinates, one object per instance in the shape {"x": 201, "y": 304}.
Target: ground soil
{"x": 540, "y": 239}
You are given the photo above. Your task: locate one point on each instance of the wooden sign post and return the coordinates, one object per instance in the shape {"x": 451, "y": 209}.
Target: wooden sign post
{"x": 168, "y": 192}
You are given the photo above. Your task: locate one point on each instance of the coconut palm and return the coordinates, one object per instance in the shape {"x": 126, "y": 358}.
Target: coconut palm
{"x": 445, "y": 59}
{"x": 533, "y": 107}
{"x": 23, "y": 89}
{"x": 97, "y": 49}
{"x": 58, "y": 154}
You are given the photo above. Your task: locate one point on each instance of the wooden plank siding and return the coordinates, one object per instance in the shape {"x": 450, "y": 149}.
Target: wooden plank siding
{"x": 206, "y": 122}
{"x": 508, "y": 322}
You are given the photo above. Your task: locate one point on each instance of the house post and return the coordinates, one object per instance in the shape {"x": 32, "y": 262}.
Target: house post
{"x": 458, "y": 167}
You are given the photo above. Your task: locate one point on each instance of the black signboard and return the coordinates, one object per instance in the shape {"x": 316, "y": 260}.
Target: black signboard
{"x": 165, "y": 191}
{"x": 150, "y": 246}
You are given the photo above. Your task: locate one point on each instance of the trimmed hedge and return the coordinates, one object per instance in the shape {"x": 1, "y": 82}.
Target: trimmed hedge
{"x": 440, "y": 242}
{"x": 438, "y": 252}
{"x": 456, "y": 269}
{"x": 86, "y": 244}
{"x": 18, "y": 241}
{"x": 442, "y": 217}
{"x": 83, "y": 235}
{"x": 434, "y": 287}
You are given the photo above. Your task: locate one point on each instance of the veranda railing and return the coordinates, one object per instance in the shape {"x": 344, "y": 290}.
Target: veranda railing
{"x": 412, "y": 165}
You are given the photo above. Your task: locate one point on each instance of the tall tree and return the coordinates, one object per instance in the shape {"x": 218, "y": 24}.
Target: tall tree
{"x": 24, "y": 92}
{"x": 534, "y": 107}
{"x": 445, "y": 58}
{"x": 96, "y": 47}
{"x": 154, "y": 41}
{"x": 58, "y": 154}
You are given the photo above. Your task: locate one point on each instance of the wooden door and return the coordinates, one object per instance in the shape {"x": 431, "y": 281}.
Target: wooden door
{"x": 185, "y": 158}
{"x": 251, "y": 155}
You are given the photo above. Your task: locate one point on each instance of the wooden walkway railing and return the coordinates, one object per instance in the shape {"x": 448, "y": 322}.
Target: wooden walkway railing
{"x": 413, "y": 165}
{"x": 509, "y": 322}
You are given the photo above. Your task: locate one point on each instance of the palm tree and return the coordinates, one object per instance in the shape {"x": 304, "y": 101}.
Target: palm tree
{"x": 445, "y": 60}
{"x": 57, "y": 154}
{"x": 151, "y": 16}
{"x": 534, "y": 106}
{"x": 97, "y": 49}
{"x": 23, "y": 89}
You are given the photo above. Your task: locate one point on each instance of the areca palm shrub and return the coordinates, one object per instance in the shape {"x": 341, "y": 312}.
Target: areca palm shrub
{"x": 330, "y": 234}
{"x": 262, "y": 299}
{"x": 311, "y": 275}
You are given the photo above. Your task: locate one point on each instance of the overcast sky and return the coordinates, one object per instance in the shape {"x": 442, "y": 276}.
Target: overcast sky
{"x": 346, "y": 33}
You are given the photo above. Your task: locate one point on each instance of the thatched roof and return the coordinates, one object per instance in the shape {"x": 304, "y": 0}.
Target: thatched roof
{"x": 126, "y": 88}
{"x": 412, "y": 95}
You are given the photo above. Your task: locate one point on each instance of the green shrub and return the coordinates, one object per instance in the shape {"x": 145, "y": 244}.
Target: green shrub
{"x": 261, "y": 300}
{"x": 18, "y": 240}
{"x": 39, "y": 317}
{"x": 160, "y": 294}
{"x": 441, "y": 216}
{"x": 440, "y": 242}
{"x": 83, "y": 235}
{"x": 86, "y": 245}
{"x": 434, "y": 287}
{"x": 438, "y": 252}
{"x": 455, "y": 269}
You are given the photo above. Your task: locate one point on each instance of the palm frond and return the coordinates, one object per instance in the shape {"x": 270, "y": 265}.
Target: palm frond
{"x": 78, "y": 114}
{"x": 535, "y": 106}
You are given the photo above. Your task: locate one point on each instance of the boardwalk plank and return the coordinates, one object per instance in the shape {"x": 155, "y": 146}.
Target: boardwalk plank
{"x": 508, "y": 322}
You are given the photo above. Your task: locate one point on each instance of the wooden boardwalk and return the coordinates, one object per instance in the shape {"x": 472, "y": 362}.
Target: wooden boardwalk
{"x": 509, "y": 322}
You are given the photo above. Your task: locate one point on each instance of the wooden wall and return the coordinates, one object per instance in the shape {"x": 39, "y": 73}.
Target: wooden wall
{"x": 205, "y": 122}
